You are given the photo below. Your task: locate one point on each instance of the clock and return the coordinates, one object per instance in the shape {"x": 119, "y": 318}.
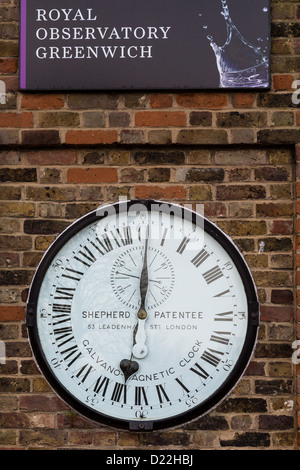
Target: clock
{"x": 142, "y": 315}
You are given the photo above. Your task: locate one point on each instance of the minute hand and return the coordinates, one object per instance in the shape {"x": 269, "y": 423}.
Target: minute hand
{"x": 139, "y": 348}
{"x": 144, "y": 280}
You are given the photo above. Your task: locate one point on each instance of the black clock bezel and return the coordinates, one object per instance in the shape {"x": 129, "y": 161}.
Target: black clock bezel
{"x": 145, "y": 425}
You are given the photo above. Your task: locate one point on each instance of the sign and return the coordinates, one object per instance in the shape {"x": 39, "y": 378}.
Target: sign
{"x": 144, "y": 44}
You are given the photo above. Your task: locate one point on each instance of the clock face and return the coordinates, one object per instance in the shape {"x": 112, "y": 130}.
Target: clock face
{"x": 142, "y": 315}
{"x": 126, "y": 273}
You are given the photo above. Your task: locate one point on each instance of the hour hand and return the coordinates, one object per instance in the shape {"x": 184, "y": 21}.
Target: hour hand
{"x": 139, "y": 349}
{"x": 128, "y": 368}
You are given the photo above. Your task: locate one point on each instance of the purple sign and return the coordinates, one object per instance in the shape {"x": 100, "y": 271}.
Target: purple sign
{"x": 144, "y": 44}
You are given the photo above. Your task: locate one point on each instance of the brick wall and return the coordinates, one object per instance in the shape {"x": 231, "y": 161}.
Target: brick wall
{"x": 64, "y": 154}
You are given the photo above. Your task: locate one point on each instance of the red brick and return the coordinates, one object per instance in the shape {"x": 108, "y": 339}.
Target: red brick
{"x": 298, "y": 189}
{"x": 9, "y": 260}
{"x": 255, "y": 368}
{"x": 169, "y": 192}
{"x": 16, "y": 119}
{"x": 282, "y": 296}
{"x": 215, "y": 209}
{"x": 71, "y": 420}
{"x": 41, "y": 403}
{"x": 11, "y": 83}
{"x": 14, "y": 420}
{"x": 8, "y": 65}
{"x": 243, "y": 100}
{"x": 282, "y": 82}
{"x": 12, "y": 313}
{"x": 161, "y": 101}
{"x": 279, "y": 314}
{"x": 239, "y": 192}
{"x": 298, "y": 302}
{"x": 54, "y": 157}
{"x": 40, "y": 138}
{"x": 92, "y": 175}
{"x": 297, "y": 226}
{"x": 160, "y": 119}
{"x": 91, "y": 137}
{"x": 281, "y": 227}
{"x": 274, "y": 210}
{"x": 202, "y": 100}
{"x": 42, "y": 101}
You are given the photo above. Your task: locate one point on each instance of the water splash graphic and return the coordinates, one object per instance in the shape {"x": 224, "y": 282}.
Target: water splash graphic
{"x": 240, "y": 64}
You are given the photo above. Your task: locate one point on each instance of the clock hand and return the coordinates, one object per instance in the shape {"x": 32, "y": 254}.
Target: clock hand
{"x": 144, "y": 280}
{"x": 128, "y": 367}
{"x": 126, "y": 275}
{"x": 139, "y": 349}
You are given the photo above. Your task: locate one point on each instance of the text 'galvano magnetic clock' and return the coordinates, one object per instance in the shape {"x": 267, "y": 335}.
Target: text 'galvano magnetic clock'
{"x": 142, "y": 315}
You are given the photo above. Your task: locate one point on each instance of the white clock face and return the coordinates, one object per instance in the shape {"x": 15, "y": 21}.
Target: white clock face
{"x": 114, "y": 363}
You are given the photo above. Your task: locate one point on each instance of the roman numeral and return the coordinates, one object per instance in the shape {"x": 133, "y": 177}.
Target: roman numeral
{"x": 224, "y": 316}
{"x": 119, "y": 393}
{"x": 67, "y": 330}
{"x": 101, "y": 385}
{"x": 162, "y": 394}
{"x": 200, "y": 258}
{"x": 63, "y": 308}
{"x": 120, "y": 240}
{"x": 96, "y": 246}
{"x": 197, "y": 369}
{"x": 218, "y": 337}
{"x": 212, "y": 274}
{"x": 223, "y": 294}
{"x": 70, "y": 352}
{"x": 62, "y": 333}
{"x": 73, "y": 271}
{"x": 182, "y": 385}
{"x": 140, "y": 396}
{"x": 105, "y": 244}
{"x": 164, "y": 237}
{"x": 87, "y": 258}
{"x": 183, "y": 245}
{"x": 211, "y": 358}
{"x": 62, "y": 318}
{"x": 85, "y": 371}
{"x": 64, "y": 293}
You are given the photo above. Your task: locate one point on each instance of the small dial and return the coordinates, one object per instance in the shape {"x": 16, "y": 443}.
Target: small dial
{"x": 126, "y": 273}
